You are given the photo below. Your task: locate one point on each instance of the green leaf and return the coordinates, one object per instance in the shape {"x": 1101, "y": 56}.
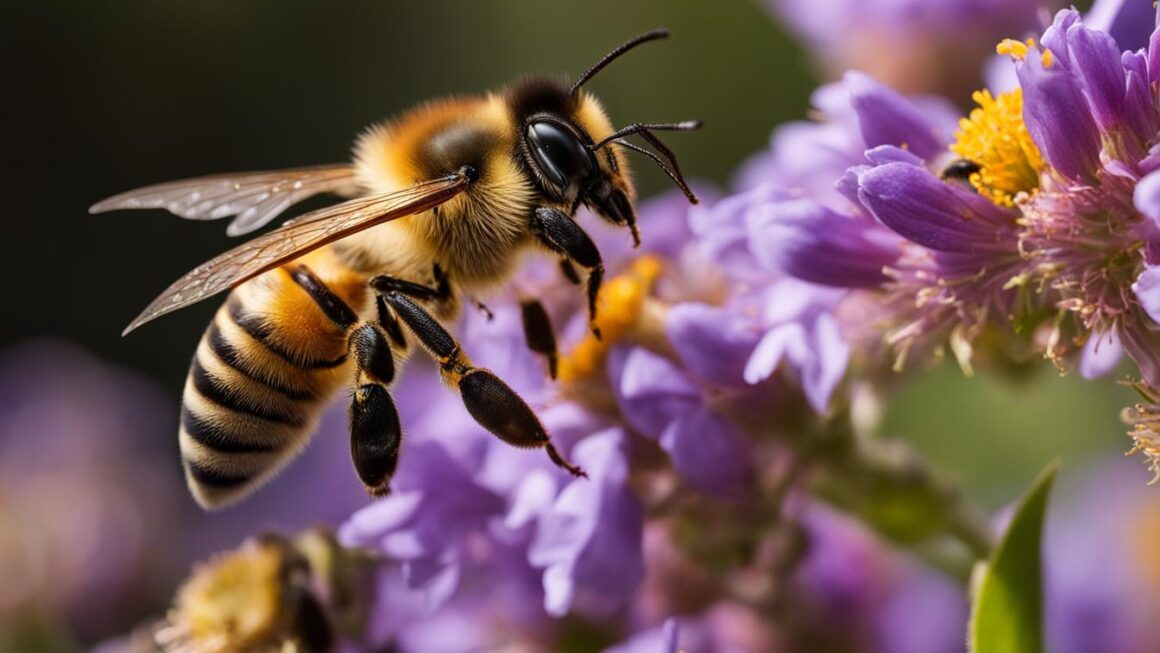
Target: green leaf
{"x": 1007, "y": 615}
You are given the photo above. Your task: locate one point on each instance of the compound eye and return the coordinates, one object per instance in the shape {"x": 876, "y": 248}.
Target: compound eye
{"x": 562, "y": 158}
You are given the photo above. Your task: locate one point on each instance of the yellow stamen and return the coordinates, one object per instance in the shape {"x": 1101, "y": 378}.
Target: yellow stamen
{"x": 618, "y": 309}
{"x": 1015, "y": 49}
{"x": 994, "y": 137}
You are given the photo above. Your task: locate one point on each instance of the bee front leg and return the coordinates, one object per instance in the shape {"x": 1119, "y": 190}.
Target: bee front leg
{"x": 490, "y": 401}
{"x": 560, "y": 233}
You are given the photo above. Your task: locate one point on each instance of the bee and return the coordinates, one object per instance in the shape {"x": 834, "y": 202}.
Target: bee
{"x": 444, "y": 201}
{"x": 960, "y": 171}
{"x": 270, "y": 595}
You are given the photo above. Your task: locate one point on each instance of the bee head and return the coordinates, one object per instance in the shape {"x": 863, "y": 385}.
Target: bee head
{"x": 564, "y": 134}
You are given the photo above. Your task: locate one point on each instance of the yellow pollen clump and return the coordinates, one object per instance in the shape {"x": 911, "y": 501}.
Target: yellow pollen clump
{"x": 618, "y": 309}
{"x": 231, "y": 603}
{"x": 995, "y": 138}
{"x": 1018, "y": 50}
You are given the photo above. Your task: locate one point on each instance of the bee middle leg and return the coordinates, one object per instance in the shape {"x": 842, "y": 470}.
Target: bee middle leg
{"x": 538, "y": 332}
{"x": 560, "y": 233}
{"x": 490, "y": 401}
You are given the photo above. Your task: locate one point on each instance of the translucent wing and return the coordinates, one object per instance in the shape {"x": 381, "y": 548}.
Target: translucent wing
{"x": 255, "y": 198}
{"x": 297, "y": 237}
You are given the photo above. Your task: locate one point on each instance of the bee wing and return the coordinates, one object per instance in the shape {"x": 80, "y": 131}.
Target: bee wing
{"x": 297, "y": 237}
{"x": 255, "y": 198}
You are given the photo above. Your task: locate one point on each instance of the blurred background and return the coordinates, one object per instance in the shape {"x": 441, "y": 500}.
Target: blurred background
{"x": 104, "y": 97}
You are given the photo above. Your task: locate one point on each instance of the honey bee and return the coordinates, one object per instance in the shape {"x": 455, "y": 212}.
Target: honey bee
{"x": 444, "y": 201}
{"x": 272, "y": 594}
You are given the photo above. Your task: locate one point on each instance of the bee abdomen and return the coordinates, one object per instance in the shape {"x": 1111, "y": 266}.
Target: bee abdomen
{"x": 250, "y": 403}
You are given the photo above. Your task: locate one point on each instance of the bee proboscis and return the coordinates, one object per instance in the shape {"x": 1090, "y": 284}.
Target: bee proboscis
{"x": 444, "y": 200}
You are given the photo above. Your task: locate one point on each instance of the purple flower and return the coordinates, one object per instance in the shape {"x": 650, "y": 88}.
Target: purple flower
{"x": 887, "y": 222}
{"x": 1090, "y": 232}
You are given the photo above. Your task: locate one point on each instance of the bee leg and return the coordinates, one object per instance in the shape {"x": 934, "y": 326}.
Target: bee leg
{"x": 494, "y": 405}
{"x": 375, "y": 433}
{"x": 439, "y": 293}
{"x": 313, "y": 632}
{"x": 330, "y": 303}
{"x": 538, "y": 332}
{"x": 561, "y": 234}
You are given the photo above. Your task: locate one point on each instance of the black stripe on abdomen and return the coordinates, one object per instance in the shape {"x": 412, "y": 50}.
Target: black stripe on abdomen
{"x": 232, "y": 358}
{"x": 215, "y": 477}
{"x": 216, "y": 437}
{"x": 262, "y": 331}
{"x": 219, "y": 393}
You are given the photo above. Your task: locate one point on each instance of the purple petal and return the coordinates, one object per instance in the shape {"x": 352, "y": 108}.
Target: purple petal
{"x": 830, "y": 354}
{"x": 892, "y": 154}
{"x": 1058, "y": 119}
{"x": 710, "y": 453}
{"x": 1055, "y": 36}
{"x": 712, "y": 343}
{"x": 887, "y": 118}
{"x": 792, "y": 300}
{"x": 769, "y": 353}
{"x": 590, "y": 543}
{"x": 531, "y": 499}
{"x": 1138, "y": 111}
{"x": 1146, "y": 197}
{"x": 1154, "y": 57}
{"x": 1101, "y": 354}
{"x": 365, "y": 527}
{"x": 815, "y": 244}
{"x": 1147, "y": 289}
{"x": 651, "y": 390}
{"x": 922, "y": 208}
{"x": 1097, "y": 61}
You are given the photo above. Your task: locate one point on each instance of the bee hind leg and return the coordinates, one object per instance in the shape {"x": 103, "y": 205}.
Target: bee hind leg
{"x": 490, "y": 401}
{"x": 375, "y": 433}
{"x": 561, "y": 234}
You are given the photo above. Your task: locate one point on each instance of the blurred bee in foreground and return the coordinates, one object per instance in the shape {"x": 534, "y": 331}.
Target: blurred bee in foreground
{"x": 446, "y": 198}
{"x": 271, "y": 595}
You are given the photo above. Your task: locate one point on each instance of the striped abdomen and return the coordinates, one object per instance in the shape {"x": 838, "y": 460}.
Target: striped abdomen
{"x": 263, "y": 373}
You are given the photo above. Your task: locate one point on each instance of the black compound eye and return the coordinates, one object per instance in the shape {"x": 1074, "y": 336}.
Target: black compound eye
{"x": 561, "y": 157}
